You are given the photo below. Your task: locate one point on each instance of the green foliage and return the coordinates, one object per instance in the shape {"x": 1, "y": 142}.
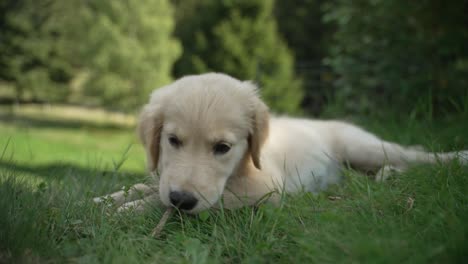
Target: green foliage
{"x": 399, "y": 53}
{"x": 105, "y": 53}
{"x": 409, "y": 54}
{"x": 30, "y": 57}
{"x": 239, "y": 38}
{"x": 301, "y": 25}
{"x": 129, "y": 50}
{"x": 300, "y": 22}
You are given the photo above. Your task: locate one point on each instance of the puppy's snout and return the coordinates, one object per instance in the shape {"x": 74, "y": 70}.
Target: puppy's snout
{"x": 183, "y": 200}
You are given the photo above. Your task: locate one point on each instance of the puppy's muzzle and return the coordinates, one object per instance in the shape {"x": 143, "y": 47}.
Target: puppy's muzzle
{"x": 182, "y": 200}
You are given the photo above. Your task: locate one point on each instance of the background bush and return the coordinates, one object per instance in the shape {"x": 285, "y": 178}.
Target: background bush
{"x": 399, "y": 54}
{"x": 308, "y": 56}
{"x": 239, "y": 38}
{"x": 108, "y": 53}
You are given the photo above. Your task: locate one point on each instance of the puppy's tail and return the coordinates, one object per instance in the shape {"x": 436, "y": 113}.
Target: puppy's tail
{"x": 444, "y": 157}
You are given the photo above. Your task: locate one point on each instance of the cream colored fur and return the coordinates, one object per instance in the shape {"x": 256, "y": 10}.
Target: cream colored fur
{"x": 268, "y": 155}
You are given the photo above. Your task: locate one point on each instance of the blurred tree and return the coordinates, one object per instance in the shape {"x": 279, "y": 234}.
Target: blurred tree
{"x": 239, "y": 38}
{"x": 29, "y": 57}
{"x": 110, "y": 53}
{"x": 129, "y": 50}
{"x": 301, "y": 25}
{"x": 400, "y": 53}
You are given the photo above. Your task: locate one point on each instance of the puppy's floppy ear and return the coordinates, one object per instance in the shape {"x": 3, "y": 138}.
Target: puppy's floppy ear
{"x": 259, "y": 128}
{"x": 149, "y": 128}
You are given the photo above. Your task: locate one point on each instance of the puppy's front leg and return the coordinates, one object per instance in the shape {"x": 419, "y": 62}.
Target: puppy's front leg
{"x": 387, "y": 171}
{"x": 137, "y": 191}
{"x": 141, "y": 205}
{"x": 248, "y": 191}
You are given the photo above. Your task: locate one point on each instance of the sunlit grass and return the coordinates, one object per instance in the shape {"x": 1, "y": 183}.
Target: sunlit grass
{"x": 32, "y": 140}
{"x": 69, "y": 114}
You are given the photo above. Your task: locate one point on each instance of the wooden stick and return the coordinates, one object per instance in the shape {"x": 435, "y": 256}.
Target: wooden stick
{"x": 157, "y": 230}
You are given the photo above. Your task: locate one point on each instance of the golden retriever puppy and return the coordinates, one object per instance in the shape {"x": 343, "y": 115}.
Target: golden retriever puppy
{"x": 210, "y": 142}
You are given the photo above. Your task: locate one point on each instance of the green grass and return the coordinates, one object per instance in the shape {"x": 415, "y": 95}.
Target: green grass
{"x": 51, "y": 168}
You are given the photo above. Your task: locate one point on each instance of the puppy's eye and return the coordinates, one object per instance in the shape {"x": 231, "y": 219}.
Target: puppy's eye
{"x": 221, "y": 148}
{"x": 175, "y": 141}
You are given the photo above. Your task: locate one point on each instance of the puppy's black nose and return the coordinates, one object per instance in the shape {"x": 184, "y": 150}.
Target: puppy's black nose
{"x": 183, "y": 200}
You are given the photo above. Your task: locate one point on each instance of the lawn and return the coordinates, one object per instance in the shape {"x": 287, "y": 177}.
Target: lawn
{"x": 52, "y": 165}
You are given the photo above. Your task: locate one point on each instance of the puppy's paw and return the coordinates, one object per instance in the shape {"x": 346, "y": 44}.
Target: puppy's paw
{"x": 135, "y": 206}
{"x": 386, "y": 172}
{"x": 98, "y": 200}
{"x": 104, "y": 200}
{"x": 463, "y": 157}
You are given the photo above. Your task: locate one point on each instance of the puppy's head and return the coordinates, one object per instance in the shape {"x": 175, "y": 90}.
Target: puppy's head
{"x": 198, "y": 132}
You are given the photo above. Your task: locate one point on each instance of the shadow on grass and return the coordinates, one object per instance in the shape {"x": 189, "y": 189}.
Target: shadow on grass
{"x": 60, "y": 171}
{"x": 44, "y": 122}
